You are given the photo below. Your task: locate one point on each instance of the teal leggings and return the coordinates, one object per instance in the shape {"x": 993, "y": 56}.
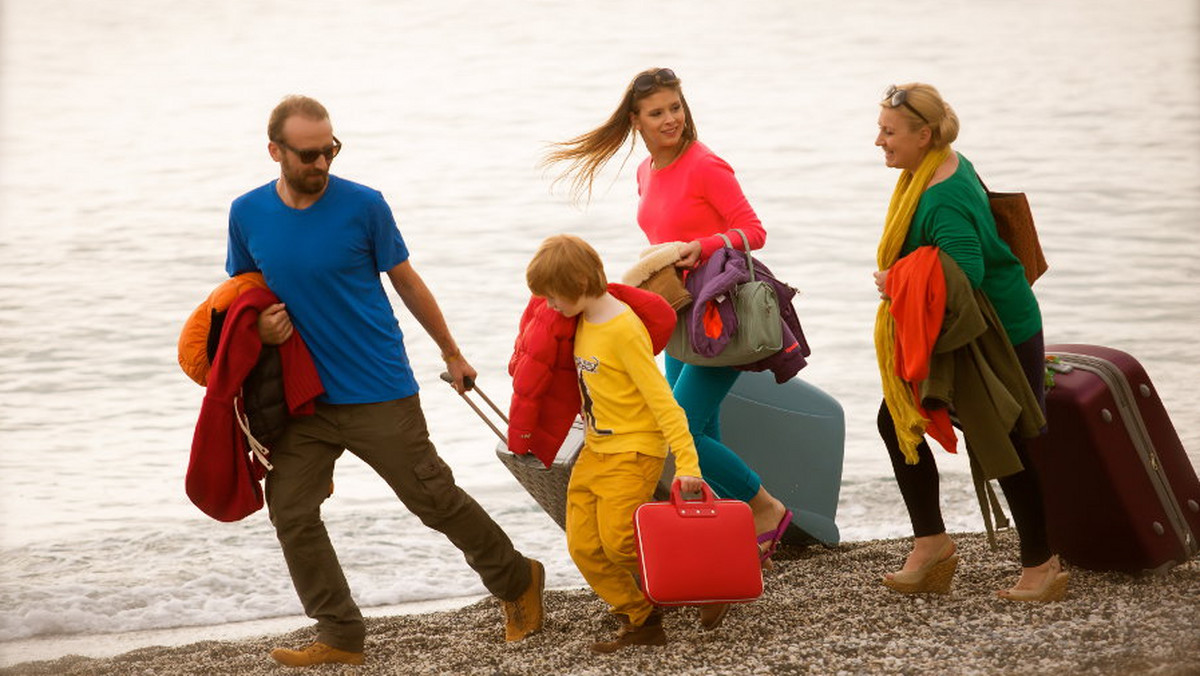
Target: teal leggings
{"x": 700, "y": 391}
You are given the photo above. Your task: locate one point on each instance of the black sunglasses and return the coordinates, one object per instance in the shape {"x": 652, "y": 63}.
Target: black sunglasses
{"x": 896, "y": 97}
{"x": 647, "y": 81}
{"x": 310, "y": 155}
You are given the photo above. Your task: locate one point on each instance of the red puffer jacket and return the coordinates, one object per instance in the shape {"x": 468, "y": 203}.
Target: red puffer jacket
{"x": 545, "y": 398}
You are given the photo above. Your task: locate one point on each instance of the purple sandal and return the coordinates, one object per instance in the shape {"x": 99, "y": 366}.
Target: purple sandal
{"x": 774, "y": 536}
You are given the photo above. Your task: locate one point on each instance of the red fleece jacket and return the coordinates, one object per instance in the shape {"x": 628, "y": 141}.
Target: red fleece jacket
{"x": 545, "y": 398}
{"x": 222, "y": 476}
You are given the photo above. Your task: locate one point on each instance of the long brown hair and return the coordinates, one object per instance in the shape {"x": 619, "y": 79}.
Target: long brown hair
{"x": 588, "y": 153}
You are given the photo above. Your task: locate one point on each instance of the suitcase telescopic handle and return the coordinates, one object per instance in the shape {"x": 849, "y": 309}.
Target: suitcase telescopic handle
{"x": 472, "y": 386}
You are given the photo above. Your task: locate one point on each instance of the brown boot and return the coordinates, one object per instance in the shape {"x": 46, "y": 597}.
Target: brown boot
{"x": 525, "y": 615}
{"x": 650, "y": 633}
{"x": 317, "y": 653}
{"x": 712, "y": 615}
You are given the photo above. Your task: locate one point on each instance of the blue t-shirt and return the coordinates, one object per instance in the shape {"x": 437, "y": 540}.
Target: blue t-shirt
{"x": 324, "y": 263}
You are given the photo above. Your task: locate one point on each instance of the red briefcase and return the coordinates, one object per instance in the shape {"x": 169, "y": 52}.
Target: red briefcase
{"x": 695, "y": 552}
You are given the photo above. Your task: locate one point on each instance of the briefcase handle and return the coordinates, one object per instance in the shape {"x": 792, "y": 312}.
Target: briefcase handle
{"x": 706, "y": 506}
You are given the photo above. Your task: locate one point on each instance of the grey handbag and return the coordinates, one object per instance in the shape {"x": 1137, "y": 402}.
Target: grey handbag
{"x": 759, "y": 332}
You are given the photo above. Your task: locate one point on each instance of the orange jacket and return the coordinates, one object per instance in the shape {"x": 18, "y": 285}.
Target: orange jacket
{"x": 917, "y": 287}
{"x": 197, "y": 340}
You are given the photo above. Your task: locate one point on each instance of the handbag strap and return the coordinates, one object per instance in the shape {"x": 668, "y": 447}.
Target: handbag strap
{"x": 980, "y": 179}
{"x": 746, "y": 243}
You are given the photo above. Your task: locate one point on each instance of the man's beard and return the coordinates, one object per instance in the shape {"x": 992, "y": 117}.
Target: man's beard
{"x": 306, "y": 181}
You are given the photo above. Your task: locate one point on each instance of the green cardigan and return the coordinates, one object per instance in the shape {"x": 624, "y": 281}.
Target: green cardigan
{"x": 954, "y": 216}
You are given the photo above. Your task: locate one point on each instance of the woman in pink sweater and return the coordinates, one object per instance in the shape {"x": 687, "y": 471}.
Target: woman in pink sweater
{"x": 688, "y": 195}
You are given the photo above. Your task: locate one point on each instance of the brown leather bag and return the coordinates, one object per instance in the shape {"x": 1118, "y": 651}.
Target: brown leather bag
{"x": 1014, "y": 223}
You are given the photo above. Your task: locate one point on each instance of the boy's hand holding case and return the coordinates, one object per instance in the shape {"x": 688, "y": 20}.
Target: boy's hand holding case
{"x": 695, "y": 552}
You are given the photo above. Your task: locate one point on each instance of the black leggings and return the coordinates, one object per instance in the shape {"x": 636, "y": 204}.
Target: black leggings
{"x": 919, "y": 483}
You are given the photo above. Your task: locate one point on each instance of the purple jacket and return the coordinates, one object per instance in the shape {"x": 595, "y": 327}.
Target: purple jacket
{"x": 723, "y": 271}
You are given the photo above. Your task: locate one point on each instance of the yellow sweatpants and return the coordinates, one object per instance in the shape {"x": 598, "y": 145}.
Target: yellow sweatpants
{"x": 604, "y": 491}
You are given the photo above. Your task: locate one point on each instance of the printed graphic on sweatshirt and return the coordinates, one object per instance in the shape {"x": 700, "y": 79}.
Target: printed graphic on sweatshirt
{"x": 586, "y": 365}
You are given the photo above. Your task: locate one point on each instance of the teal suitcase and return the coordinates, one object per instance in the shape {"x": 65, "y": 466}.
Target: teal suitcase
{"x": 793, "y": 435}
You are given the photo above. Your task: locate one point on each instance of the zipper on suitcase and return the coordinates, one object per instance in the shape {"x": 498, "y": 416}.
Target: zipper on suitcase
{"x": 1127, "y": 408}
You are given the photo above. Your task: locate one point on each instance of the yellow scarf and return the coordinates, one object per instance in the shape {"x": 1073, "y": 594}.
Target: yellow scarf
{"x": 910, "y": 424}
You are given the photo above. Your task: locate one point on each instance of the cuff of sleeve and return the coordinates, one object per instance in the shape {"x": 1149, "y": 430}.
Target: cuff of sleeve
{"x": 687, "y": 463}
{"x": 709, "y": 245}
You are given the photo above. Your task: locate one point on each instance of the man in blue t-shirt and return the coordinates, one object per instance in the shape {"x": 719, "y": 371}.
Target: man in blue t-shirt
{"x": 321, "y": 243}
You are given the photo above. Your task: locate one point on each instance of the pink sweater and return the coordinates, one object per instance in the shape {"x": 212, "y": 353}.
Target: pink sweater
{"x": 696, "y": 197}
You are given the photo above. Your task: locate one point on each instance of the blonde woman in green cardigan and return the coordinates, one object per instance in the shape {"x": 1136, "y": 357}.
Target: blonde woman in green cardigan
{"x": 940, "y": 201}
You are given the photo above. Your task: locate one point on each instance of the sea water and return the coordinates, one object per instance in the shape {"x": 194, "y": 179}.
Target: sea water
{"x": 127, "y": 128}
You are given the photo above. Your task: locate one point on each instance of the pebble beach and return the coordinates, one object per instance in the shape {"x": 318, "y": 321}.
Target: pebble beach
{"x": 823, "y": 611}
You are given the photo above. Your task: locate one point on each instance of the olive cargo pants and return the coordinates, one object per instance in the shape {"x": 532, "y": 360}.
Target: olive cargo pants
{"x": 392, "y": 438}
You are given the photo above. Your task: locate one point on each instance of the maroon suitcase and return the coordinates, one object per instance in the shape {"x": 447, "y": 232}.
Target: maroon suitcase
{"x": 1119, "y": 489}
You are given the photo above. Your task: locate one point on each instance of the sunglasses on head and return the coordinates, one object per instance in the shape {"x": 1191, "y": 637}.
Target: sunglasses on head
{"x": 647, "y": 81}
{"x": 310, "y": 155}
{"x": 896, "y": 97}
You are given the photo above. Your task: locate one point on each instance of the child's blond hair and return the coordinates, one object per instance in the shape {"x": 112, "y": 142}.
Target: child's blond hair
{"x": 567, "y": 268}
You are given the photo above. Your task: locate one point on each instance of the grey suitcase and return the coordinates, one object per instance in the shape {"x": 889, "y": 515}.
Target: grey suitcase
{"x": 548, "y": 485}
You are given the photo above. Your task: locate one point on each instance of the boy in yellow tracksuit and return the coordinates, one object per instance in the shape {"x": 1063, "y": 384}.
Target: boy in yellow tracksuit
{"x": 632, "y": 421}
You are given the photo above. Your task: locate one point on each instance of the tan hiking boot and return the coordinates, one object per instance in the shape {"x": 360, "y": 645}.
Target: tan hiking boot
{"x": 525, "y": 615}
{"x": 712, "y": 615}
{"x": 317, "y": 653}
{"x": 650, "y": 633}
